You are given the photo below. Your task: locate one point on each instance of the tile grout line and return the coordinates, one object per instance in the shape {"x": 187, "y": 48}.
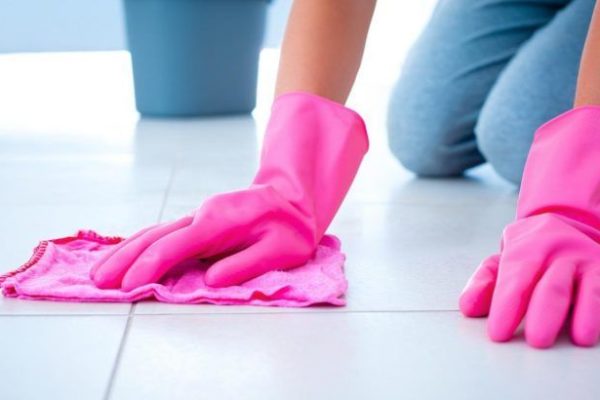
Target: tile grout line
{"x": 167, "y": 192}
{"x": 115, "y": 368}
{"x": 221, "y": 313}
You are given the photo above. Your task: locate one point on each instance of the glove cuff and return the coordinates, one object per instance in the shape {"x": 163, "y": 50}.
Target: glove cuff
{"x": 311, "y": 153}
{"x": 562, "y": 172}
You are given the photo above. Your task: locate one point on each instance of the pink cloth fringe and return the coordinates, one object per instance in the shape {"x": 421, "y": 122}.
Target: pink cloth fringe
{"x": 59, "y": 270}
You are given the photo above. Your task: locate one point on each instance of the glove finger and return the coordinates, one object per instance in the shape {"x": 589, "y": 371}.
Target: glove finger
{"x": 477, "y": 295}
{"x": 172, "y": 249}
{"x": 585, "y": 326}
{"x": 117, "y": 247}
{"x": 249, "y": 263}
{"x": 516, "y": 280}
{"x": 549, "y": 305}
{"x": 110, "y": 273}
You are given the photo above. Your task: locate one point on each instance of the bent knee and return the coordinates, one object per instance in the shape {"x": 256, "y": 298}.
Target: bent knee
{"x": 505, "y": 143}
{"x": 427, "y": 140}
{"x": 421, "y": 156}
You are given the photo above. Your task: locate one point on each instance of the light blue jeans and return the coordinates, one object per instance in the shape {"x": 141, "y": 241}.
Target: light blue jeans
{"x": 482, "y": 77}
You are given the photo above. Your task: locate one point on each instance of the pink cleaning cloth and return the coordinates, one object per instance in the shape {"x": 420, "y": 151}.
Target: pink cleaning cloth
{"x": 59, "y": 270}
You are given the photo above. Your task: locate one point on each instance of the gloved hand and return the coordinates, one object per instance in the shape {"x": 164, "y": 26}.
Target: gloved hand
{"x": 312, "y": 150}
{"x": 549, "y": 258}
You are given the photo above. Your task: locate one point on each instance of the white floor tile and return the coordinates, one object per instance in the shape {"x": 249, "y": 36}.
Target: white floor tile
{"x": 198, "y": 142}
{"x": 403, "y": 257}
{"x": 110, "y": 180}
{"x": 342, "y": 356}
{"x": 382, "y": 179}
{"x": 58, "y": 357}
{"x": 18, "y": 307}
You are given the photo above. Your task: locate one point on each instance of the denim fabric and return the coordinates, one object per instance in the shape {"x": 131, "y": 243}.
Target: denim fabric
{"x": 481, "y": 78}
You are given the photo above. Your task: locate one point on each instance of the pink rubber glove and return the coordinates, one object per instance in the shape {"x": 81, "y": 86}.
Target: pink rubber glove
{"x": 550, "y": 255}
{"x": 311, "y": 153}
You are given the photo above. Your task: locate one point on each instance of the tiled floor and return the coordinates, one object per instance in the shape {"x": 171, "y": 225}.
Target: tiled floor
{"x": 73, "y": 154}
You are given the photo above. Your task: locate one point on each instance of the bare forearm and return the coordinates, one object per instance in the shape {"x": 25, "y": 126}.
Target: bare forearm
{"x": 323, "y": 47}
{"x": 588, "y": 82}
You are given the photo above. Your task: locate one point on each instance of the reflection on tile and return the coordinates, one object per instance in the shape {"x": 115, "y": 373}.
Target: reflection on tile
{"x": 342, "y": 355}
{"x": 196, "y": 142}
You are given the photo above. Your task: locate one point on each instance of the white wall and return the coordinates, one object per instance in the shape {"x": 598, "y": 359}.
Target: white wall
{"x": 69, "y": 25}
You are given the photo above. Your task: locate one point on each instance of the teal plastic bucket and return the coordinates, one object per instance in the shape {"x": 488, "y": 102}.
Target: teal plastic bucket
{"x": 195, "y": 57}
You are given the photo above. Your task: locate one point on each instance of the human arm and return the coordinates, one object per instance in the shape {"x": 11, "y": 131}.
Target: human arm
{"x": 323, "y": 47}
{"x": 588, "y": 80}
